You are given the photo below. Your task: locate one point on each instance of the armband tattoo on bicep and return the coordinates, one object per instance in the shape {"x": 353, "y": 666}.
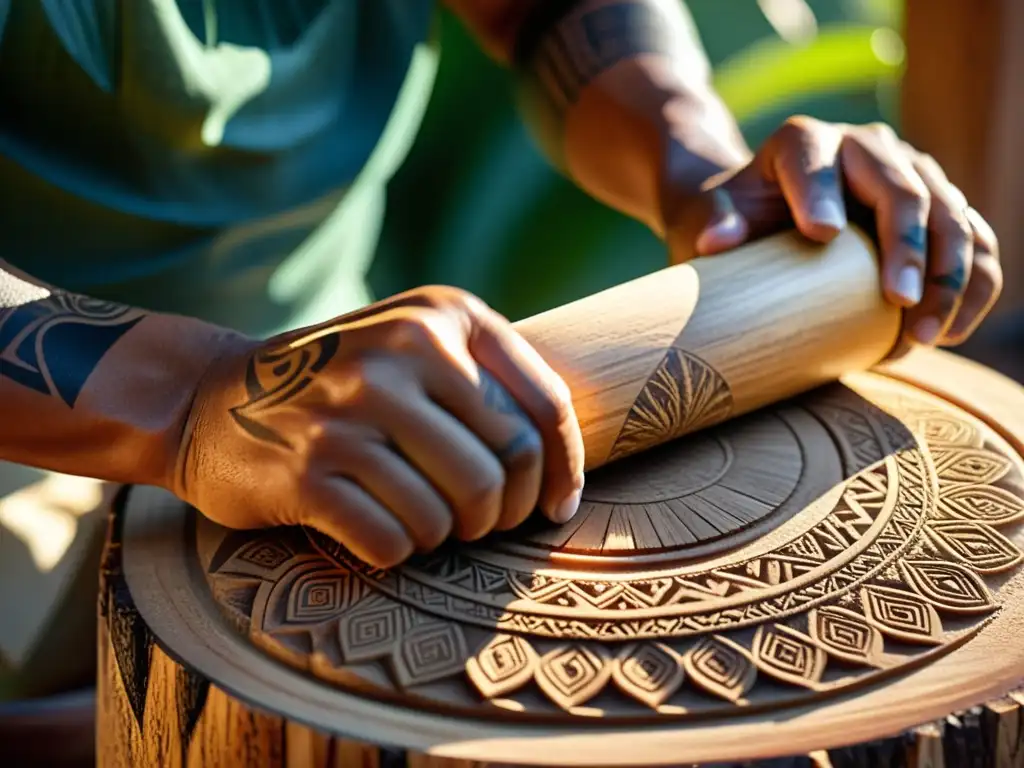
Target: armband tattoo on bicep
{"x": 564, "y": 45}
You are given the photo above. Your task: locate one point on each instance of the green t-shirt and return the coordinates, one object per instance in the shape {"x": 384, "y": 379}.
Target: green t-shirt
{"x": 220, "y": 158}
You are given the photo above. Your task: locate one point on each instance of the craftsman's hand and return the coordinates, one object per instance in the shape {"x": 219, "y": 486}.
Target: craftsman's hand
{"x": 387, "y": 429}
{"x": 939, "y": 257}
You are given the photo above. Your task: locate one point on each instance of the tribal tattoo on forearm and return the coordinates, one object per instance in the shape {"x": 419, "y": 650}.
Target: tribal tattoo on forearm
{"x": 53, "y": 344}
{"x": 565, "y": 45}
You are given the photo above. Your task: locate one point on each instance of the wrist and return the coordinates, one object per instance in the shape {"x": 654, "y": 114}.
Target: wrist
{"x": 198, "y": 378}
{"x": 646, "y": 142}
{"x": 621, "y": 94}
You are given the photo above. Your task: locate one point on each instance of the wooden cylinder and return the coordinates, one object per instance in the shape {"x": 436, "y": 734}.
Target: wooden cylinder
{"x": 864, "y": 612}
{"x": 699, "y": 343}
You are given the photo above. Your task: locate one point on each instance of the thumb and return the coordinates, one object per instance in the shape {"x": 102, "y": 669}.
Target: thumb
{"x": 726, "y": 228}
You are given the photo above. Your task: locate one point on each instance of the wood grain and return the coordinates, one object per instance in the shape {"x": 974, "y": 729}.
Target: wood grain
{"x": 889, "y": 598}
{"x": 696, "y": 344}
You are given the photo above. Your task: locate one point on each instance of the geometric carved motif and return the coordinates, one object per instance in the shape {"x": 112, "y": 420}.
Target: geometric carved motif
{"x": 895, "y": 518}
{"x": 845, "y": 635}
{"x": 650, "y": 672}
{"x": 721, "y": 667}
{"x": 683, "y": 394}
{"x": 506, "y": 663}
{"x": 574, "y": 674}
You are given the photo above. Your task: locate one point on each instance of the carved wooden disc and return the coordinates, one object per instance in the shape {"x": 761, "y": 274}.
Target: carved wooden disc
{"x": 862, "y": 540}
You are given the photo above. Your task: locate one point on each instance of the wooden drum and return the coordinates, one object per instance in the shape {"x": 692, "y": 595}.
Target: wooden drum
{"x": 834, "y": 579}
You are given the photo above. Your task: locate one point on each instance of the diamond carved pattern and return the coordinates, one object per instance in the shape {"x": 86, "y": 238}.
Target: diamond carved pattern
{"x": 572, "y": 675}
{"x": 505, "y": 664}
{"x": 721, "y": 667}
{"x": 902, "y": 615}
{"x": 649, "y": 672}
{"x": 979, "y": 546}
{"x": 846, "y": 635}
{"x": 788, "y": 655}
{"x": 856, "y": 593}
{"x": 429, "y": 652}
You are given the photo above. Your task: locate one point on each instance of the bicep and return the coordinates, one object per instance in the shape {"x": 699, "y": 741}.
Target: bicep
{"x": 494, "y": 23}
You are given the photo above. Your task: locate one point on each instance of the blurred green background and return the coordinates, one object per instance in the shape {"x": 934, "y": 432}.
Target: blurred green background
{"x": 475, "y": 204}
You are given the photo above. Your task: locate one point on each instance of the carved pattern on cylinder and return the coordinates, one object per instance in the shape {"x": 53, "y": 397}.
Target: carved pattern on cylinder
{"x": 683, "y": 394}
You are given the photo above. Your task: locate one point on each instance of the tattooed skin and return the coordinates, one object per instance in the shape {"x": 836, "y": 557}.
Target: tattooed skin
{"x": 569, "y": 53}
{"x": 277, "y": 376}
{"x": 497, "y": 399}
{"x": 53, "y": 344}
{"x": 953, "y": 281}
{"x": 916, "y": 237}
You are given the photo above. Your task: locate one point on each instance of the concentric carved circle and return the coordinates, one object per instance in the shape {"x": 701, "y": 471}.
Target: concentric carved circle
{"x": 683, "y": 496}
{"x": 854, "y": 534}
{"x": 666, "y": 473}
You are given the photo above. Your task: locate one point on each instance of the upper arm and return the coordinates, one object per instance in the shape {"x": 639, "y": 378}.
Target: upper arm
{"x": 494, "y": 23}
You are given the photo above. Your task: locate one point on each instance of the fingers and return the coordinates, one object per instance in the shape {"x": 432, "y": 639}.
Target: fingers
{"x": 493, "y": 415}
{"x": 793, "y": 179}
{"x": 478, "y": 428}
{"x": 486, "y": 408}
{"x": 803, "y": 159}
{"x": 453, "y": 459}
{"x": 880, "y": 174}
{"x": 544, "y": 397}
{"x": 342, "y": 510}
{"x": 726, "y": 228}
{"x": 939, "y": 259}
{"x": 984, "y": 285}
{"x": 950, "y": 256}
{"x": 389, "y": 478}
{"x": 436, "y": 346}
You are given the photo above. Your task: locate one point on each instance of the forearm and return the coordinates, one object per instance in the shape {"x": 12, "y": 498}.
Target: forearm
{"x": 92, "y": 388}
{"x": 619, "y": 95}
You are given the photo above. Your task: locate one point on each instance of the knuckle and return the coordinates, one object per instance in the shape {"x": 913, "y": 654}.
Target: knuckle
{"x": 450, "y": 297}
{"x": 426, "y": 296}
{"x": 556, "y": 407}
{"x": 315, "y": 437}
{"x": 905, "y": 190}
{"x": 926, "y": 161}
{"x": 953, "y": 225}
{"x": 526, "y": 448}
{"x": 985, "y": 240}
{"x": 799, "y": 125}
{"x": 993, "y": 249}
{"x": 366, "y": 386}
{"x": 414, "y": 332}
{"x": 463, "y": 299}
{"x": 883, "y": 131}
{"x": 958, "y": 202}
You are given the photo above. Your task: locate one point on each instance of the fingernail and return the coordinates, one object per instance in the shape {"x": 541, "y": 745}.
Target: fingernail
{"x": 927, "y": 330}
{"x": 564, "y": 512}
{"x": 728, "y": 228}
{"x": 909, "y": 284}
{"x": 827, "y": 211}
